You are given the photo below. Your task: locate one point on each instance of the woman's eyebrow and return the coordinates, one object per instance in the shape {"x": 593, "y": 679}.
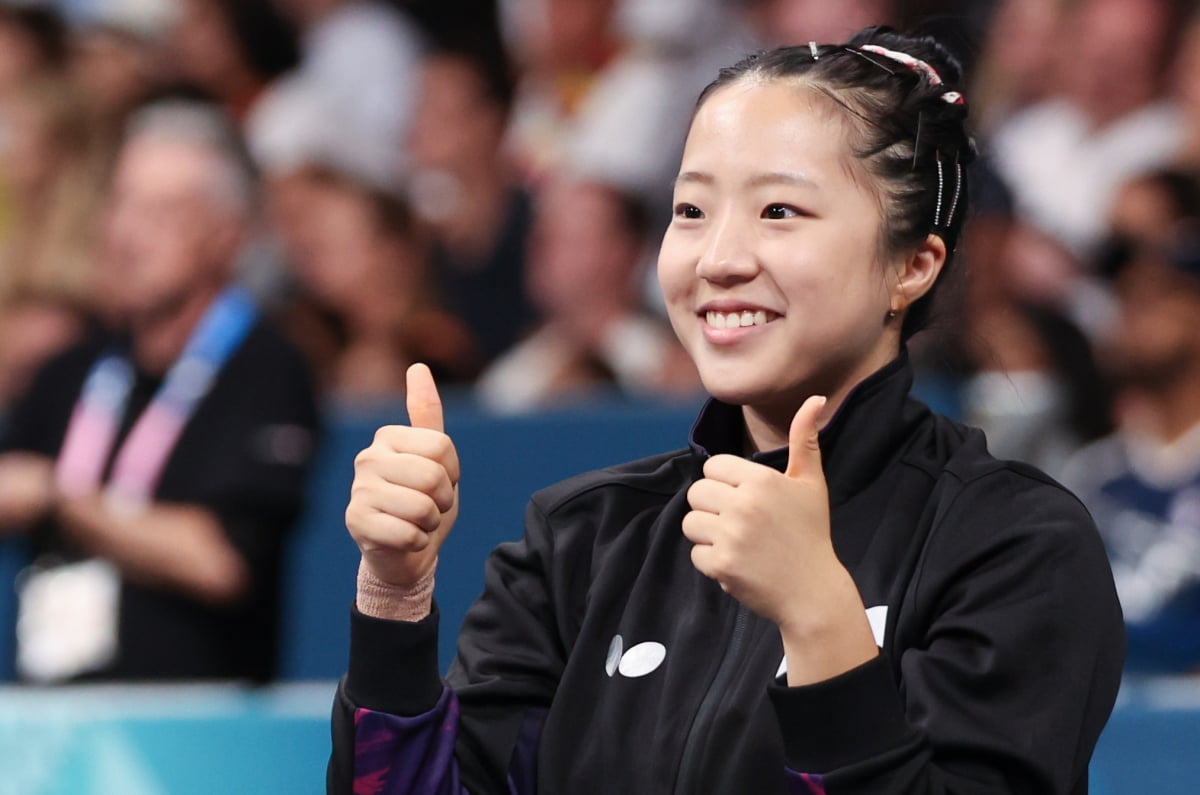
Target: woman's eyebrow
{"x": 794, "y": 178}
{"x": 781, "y": 178}
{"x": 695, "y": 176}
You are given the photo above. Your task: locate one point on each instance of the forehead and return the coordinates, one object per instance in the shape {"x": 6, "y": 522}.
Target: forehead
{"x": 162, "y": 165}
{"x": 766, "y": 126}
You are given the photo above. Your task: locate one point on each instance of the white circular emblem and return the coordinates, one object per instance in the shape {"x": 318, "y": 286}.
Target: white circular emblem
{"x": 641, "y": 659}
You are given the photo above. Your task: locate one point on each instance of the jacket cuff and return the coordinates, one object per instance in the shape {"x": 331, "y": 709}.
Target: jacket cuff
{"x": 831, "y": 724}
{"x": 393, "y": 664}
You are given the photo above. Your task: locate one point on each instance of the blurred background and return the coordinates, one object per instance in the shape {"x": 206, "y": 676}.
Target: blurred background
{"x": 481, "y": 185}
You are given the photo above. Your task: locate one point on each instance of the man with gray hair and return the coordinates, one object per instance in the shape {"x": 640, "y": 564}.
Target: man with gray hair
{"x": 158, "y": 465}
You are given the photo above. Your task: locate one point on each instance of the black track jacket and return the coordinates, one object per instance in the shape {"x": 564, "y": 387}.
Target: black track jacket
{"x": 598, "y": 660}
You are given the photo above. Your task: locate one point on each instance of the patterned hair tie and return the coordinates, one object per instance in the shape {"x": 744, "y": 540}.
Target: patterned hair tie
{"x": 917, "y": 65}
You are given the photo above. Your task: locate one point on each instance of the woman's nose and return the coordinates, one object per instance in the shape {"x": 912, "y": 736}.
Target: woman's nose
{"x": 728, "y": 253}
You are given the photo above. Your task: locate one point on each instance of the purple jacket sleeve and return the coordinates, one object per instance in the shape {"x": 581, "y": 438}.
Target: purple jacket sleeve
{"x": 395, "y": 755}
{"x": 398, "y": 728}
{"x": 804, "y": 783}
{"x": 403, "y": 743}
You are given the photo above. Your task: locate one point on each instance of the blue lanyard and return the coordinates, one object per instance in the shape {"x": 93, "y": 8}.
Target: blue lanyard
{"x": 97, "y": 416}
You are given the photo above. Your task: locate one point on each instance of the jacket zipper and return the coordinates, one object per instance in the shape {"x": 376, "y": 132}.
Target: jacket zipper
{"x": 699, "y": 729}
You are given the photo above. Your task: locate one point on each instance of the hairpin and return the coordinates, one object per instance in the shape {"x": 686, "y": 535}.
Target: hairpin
{"x": 812, "y": 48}
{"x": 869, "y": 59}
{"x": 937, "y": 212}
{"x": 957, "y": 190}
{"x": 917, "y": 140}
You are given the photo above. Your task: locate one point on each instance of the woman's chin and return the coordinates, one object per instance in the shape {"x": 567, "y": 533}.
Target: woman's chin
{"x": 735, "y": 393}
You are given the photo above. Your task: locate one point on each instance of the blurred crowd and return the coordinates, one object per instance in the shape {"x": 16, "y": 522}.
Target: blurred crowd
{"x": 481, "y": 185}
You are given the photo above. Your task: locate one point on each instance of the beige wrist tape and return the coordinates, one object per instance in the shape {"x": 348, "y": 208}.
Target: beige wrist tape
{"x": 379, "y": 599}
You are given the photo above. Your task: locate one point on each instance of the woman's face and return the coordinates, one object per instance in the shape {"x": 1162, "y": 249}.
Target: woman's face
{"x": 770, "y": 266}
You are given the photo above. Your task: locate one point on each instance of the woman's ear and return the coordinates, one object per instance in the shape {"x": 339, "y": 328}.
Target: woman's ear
{"x": 918, "y": 272}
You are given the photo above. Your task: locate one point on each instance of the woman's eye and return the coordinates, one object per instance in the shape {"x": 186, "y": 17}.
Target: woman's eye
{"x": 684, "y": 210}
{"x": 778, "y": 212}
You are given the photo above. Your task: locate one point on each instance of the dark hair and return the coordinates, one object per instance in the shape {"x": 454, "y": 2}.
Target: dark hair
{"x": 265, "y": 38}
{"x": 45, "y": 28}
{"x": 490, "y": 68}
{"x": 908, "y": 130}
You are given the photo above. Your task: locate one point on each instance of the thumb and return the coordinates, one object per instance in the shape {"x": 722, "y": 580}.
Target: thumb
{"x": 803, "y": 448}
{"x": 424, "y": 403}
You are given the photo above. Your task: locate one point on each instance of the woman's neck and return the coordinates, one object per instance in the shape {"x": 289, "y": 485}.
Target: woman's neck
{"x": 768, "y": 424}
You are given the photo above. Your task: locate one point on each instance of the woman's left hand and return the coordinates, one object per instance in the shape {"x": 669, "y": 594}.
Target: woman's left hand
{"x": 765, "y": 537}
{"x": 762, "y": 534}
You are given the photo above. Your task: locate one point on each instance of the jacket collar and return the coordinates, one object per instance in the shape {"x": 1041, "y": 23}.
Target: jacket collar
{"x": 857, "y": 443}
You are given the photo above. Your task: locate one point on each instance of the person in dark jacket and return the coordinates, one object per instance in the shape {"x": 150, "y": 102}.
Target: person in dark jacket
{"x": 831, "y": 589}
{"x": 158, "y": 465}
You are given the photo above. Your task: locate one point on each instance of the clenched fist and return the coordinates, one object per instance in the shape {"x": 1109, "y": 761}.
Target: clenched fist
{"x": 404, "y": 498}
{"x": 765, "y": 537}
{"x": 760, "y": 533}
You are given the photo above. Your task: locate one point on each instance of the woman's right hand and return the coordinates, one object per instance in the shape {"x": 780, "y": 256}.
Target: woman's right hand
{"x": 404, "y": 498}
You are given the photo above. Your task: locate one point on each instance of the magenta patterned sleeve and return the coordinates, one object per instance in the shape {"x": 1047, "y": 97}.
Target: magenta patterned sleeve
{"x": 395, "y": 755}
{"x": 804, "y": 783}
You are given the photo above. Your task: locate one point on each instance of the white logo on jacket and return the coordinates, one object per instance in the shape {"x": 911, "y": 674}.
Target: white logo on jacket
{"x": 876, "y": 617}
{"x": 642, "y": 659}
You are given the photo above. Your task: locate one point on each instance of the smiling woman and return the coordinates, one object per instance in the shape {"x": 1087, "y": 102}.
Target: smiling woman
{"x": 830, "y": 589}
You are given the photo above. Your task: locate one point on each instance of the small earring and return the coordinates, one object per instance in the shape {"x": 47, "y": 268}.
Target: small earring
{"x": 891, "y": 314}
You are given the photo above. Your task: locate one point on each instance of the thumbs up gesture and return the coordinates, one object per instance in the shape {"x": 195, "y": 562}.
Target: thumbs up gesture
{"x": 764, "y": 535}
{"x": 404, "y": 498}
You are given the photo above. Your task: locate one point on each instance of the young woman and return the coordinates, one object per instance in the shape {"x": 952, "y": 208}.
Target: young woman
{"x": 831, "y": 589}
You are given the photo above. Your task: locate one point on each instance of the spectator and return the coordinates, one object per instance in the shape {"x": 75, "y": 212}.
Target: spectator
{"x": 627, "y": 130}
{"x": 1143, "y": 483}
{"x": 233, "y": 49}
{"x": 589, "y": 242}
{"x": 1186, "y": 86}
{"x": 779, "y": 22}
{"x": 560, "y": 47}
{"x": 1017, "y": 56}
{"x": 158, "y": 468}
{"x": 1027, "y": 377}
{"x": 117, "y": 60}
{"x": 366, "y": 309}
{"x": 1107, "y": 120}
{"x": 56, "y": 180}
{"x": 33, "y": 45}
{"x": 464, "y": 187}
{"x": 237, "y": 53}
{"x": 33, "y": 41}
{"x": 359, "y": 61}
{"x": 606, "y": 86}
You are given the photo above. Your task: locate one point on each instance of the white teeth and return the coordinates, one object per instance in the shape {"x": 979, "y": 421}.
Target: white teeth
{"x": 736, "y": 319}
